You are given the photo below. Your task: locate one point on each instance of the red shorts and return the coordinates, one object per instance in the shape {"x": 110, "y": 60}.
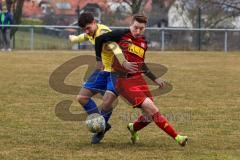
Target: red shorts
{"x": 134, "y": 89}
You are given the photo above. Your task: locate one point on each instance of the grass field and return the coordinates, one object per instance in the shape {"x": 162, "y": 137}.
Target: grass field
{"x": 204, "y": 104}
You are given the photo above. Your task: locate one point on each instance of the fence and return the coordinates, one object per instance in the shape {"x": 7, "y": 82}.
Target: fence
{"x": 36, "y": 37}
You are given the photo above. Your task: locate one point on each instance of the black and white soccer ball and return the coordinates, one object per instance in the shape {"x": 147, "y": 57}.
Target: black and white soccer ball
{"x": 95, "y": 123}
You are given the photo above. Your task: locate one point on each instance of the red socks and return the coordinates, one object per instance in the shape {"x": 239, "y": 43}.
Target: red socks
{"x": 162, "y": 123}
{"x": 141, "y": 122}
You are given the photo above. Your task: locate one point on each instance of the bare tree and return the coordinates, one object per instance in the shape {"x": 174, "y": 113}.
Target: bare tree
{"x": 135, "y": 5}
{"x": 159, "y": 12}
{"x": 213, "y": 12}
{"x": 17, "y": 12}
{"x": 17, "y": 6}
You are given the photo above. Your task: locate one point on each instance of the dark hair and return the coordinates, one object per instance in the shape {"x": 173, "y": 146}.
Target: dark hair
{"x": 140, "y": 17}
{"x": 85, "y": 19}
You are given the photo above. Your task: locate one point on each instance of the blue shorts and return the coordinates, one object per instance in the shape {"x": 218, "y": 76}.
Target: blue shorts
{"x": 100, "y": 81}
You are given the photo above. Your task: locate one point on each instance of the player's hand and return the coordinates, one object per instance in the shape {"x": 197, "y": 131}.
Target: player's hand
{"x": 160, "y": 82}
{"x": 72, "y": 37}
{"x": 132, "y": 67}
{"x": 99, "y": 65}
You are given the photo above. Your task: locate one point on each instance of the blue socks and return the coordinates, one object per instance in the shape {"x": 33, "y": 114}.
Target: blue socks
{"x": 106, "y": 114}
{"x": 91, "y": 107}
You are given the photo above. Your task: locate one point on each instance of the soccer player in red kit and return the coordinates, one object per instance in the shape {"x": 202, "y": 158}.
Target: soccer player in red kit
{"x": 130, "y": 83}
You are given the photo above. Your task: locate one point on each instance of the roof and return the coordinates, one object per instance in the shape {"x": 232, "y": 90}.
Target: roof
{"x": 32, "y": 8}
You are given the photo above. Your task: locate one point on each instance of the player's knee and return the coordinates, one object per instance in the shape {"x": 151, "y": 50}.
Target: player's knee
{"x": 149, "y": 107}
{"x": 155, "y": 110}
{"x": 108, "y": 99}
{"x": 82, "y": 99}
{"x": 107, "y": 105}
{"x": 106, "y": 102}
{"x": 152, "y": 110}
{"x": 107, "y": 108}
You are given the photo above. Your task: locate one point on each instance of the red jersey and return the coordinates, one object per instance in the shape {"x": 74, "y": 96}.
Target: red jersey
{"x": 133, "y": 48}
{"x": 133, "y": 87}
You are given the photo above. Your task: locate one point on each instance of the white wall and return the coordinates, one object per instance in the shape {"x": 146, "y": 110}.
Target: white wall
{"x": 178, "y": 16}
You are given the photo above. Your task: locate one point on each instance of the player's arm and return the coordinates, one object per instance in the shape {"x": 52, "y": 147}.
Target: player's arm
{"x": 117, "y": 51}
{"x": 78, "y": 39}
{"x": 111, "y": 39}
{"x": 151, "y": 76}
{"x": 113, "y": 36}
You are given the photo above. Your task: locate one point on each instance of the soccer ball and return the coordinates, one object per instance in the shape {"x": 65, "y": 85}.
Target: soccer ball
{"x": 95, "y": 123}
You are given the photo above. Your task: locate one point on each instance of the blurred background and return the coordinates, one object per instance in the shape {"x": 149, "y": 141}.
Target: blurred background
{"x": 173, "y": 24}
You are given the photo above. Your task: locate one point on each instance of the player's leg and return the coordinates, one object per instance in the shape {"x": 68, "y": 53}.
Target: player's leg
{"x": 138, "y": 93}
{"x": 109, "y": 97}
{"x": 90, "y": 88}
{"x": 142, "y": 121}
{"x": 84, "y": 98}
{"x": 106, "y": 112}
{"x": 150, "y": 108}
{"x": 133, "y": 90}
{"x": 106, "y": 107}
{"x": 145, "y": 118}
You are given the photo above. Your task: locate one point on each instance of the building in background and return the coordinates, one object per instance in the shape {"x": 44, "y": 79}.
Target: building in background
{"x": 65, "y": 8}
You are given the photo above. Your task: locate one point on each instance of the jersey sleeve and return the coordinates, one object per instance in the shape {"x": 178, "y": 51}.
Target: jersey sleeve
{"x": 117, "y": 51}
{"x": 148, "y": 72}
{"x": 113, "y": 36}
{"x": 79, "y": 39}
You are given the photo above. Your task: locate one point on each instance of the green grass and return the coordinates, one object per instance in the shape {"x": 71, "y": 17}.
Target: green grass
{"x": 205, "y": 101}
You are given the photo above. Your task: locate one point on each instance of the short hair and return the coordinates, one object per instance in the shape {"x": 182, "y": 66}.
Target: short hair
{"x": 85, "y": 19}
{"x": 140, "y": 17}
